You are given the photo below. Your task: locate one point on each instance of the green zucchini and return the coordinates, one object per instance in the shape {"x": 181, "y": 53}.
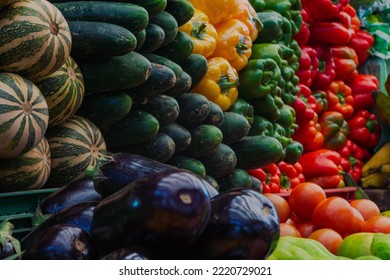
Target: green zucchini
{"x": 141, "y": 37}
{"x": 154, "y": 7}
{"x": 180, "y": 135}
{"x": 178, "y": 49}
{"x": 105, "y": 109}
{"x": 137, "y": 127}
{"x": 257, "y": 151}
{"x": 99, "y": 39}
{"x": 188, "y": 163}
{"x": 234, "y": 127}
{"x": 182, "y": 86}
{"x": 196, "y": 66}
{"x": 115, "y": 73}
{"x": 165, "y": 61}
{"x": 239, "y": 178}
{"x": 168, "y": 23}
{"x": 154, "y": 38}
{"x": 216, "y": 115}
{"x": 194, "y": 109}
{"x": 220, "y": 162}
{"x": 130, "y": 16}
{"x": 181, "y": 10}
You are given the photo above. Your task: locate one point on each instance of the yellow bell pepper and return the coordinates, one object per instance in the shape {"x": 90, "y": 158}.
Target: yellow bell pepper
{"x": 247, "y": 14}
{"x": 216, "y": 10}
{"x": 234, "y": 43}
{"x": 220, "y": 83}
{"x": 202, "y": 33}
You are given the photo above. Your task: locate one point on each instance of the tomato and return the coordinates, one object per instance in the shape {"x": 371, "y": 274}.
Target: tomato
{"x": 334, "y": 213}
{"x": 377, "y": 224}
{"x": 330, "y": 238}
{"x": 281, "y": 206}
{"x": 366, "y": 207}
{"x": 306, "y": 228}
{"x": 304, "y": 198}
{"x": 288, "y": 230}
{"x": 358, "y": 221}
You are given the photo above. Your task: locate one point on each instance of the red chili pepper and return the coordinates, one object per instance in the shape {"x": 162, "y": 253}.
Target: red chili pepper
{"x": 346, "y": 62}
{"x": 308, "y": 65}
{"x": 309, "y": 134}
{"x": 361, "y": 42}
{"x": 364, "y": 129}
{"x": 326, "y": 69}
{"x": 269, "y": 177}
{"x": 340, "y": 99}
{"x": 362, "y": 86}
{"x": 324, "y": 9}
{"x": 291, "y": 175}
{"x": 304, "y": 104}
{"x": 303, "y": 35}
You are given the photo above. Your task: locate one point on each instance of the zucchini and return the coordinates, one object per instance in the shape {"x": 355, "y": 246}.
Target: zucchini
{"x": 239, "y": 178}
{"x": 167, "y": 62}
{"x": 180, "y": 135}
{"x": 181, "y": 10}
{"x": 99, "y": 39}
{"x": 220, "y": 162}
{"x": 154, "y": 38}
{"x": 115, "y": 73}
{"x": 194, "y": 109}
{"x": 234, "y": 127}
{"x": 215, "y": 116}
{"x": 188, "y": 163}
{"x": 178, "y": 49}
{"x": 257, "y": 151}
{"x": 105, "y": 109}
{"x": 137, "y": 127}
{"x": 195, "y": 65}
{"x": 168, "y": 23}
{"x": 154, "y": 7}
{"x": 130, "y": 16}
{"x": 141, "y": 37}
{"x": 182, "y": 86}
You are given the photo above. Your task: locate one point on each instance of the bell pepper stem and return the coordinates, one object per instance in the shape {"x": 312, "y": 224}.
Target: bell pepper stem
{"x": 371, "y": 125}
{"x": 198, "y": 30}
{"x": 225, "y": 84}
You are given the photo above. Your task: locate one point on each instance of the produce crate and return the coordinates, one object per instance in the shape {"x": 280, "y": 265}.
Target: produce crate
{"x": 19, "y": 208}
{"x": 349, "y": 193}
{"x": 380, "y": 196}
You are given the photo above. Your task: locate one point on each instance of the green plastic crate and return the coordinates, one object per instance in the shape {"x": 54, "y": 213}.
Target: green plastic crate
{"x": 19, "y": 208}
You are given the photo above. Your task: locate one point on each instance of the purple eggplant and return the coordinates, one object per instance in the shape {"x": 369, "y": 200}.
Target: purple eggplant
{"x": 9, "y": 245}
{"x": 165, "y": 211}
{"x": 81, "y": 190}
{"x": 61, "y": 242}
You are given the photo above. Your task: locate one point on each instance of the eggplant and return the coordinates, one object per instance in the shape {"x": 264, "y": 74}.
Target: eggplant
{"x": 243, "y": 225}
{"x": 81, "y": 190}
{"x": 161, "y": 212}
{"x": 125, "y": 168}
{"x": 79, "y": 215}
{"x": 61, "y": 242}
{"x": 9, "y": 245}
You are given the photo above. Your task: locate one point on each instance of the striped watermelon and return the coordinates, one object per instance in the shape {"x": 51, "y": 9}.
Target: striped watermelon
{"x": 27, "y": 172}
{"x": 24, "y": 115}
{"x": 74, "y": 145}
{"x": 35, "y": 39}
{"x": 63, "y": 91}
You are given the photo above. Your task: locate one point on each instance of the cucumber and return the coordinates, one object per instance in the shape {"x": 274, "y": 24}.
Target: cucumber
{"x": 234, "y": 127}
{"x": 115, "y": 73}
{"x": 257, "y": 151}
{"x": 182, "y": 86}
{"x": 194, "y": 109}
{"x": 99, "y": 39}
{"x": 164, "y": 108}
{"x": 204, "y": 139}
{"x": 105, "y": 109}
{"x": 130, "y": 16}
{"x": 168, "y": 23}
{"x": 137, "y": 127}
{"x": 220, "y": 162}
{"x": 239, "y": 178}
{"x": 180, "y": 135}
{"x": 178, "y": 49}
{"x": 195, "y": 65}
{"x": 215, "y": 116}
{"x": 167, "y": 62}
{"x": 161, "y": 79}
{"x": 141, "y": 37}
{"x": 154, "y": 7}
{"x": 188, "y": 163}
{"x": 154, "y": 38}
{"x": 181, "y": 10}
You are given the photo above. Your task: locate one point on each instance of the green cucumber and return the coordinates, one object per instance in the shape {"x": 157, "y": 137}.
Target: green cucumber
{"x": 188, "y": 163}
{"x": 154, "y": 38}
{"x": 141, "y": 37}
{"x": 182, "y": 86}
{"x": 178, "y": 49}
{"x": 239, "y": 178}
{"x": 115, "y": 73}
{"x": 99, "y": 39}
{"x": 154, "y": 7}
{"x": 194, "y": 109}
{"x": 180, "y": 135}
{"x": 257, "y": 151}
{"x": 164, "y": 108}
{"x": 165, "y": 61}
{"x": 215, "y": 116}
{"x": 130, "y": 16}
{"x": 105, "y": 109}
{"x": 234, "y": 127}
{"x": 168, "y": 23}
{"x": 137, "y": 127}
{"x": 181, "y": 10}
{"x": 220, "y": 162}
{"x": 196, "y": 66}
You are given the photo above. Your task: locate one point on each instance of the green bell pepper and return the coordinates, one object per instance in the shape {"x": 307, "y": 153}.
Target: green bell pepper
{"x": 258, "y": 5}
{"x": 276, "y": 28}
{"x": 279, "y": 52}
{"x": 261, "y": 126}
{"x": 287, "y": 119}
{"x": 296, "y": 19}
{"x": 293, "y": 152}
{"x": 280, "y": 134}
{"x": 268, "y": 106}
{"x": 281, "y": 6}
{"x": 243, "y": 108}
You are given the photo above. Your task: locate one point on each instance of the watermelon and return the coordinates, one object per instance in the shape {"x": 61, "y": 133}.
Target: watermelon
{"x": 24, "y": 115}
{"x": 74, "y": 145}
{"x": 27, "y": 172}
{"x": 63, "y": 91}
{"x": 35, "y": 39}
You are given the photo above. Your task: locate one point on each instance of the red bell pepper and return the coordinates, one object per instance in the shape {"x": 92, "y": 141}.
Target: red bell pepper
{"x": 269, "y": 177}
{"x": 354, "y": 19}
{"x": 321, "y": 101}
{"x": 304, "y": 104}
{"x": 329, "y": 33}
{"x": 352, "y": 158}
{"x": 326, "y": 69}
{"x": 346, "y": 62}
{"x": 290, "y": 175}
{"x": 334, "y": 128}
{"x": 324, "y": 9}
{"x": 362, "y": 86}
{"x": 323, "y": 168}
{"x": 309, "y": 135}
{"x": 361, "y": 42}
{"x": 364, "y": 129}
{"x": 303, "y": 35}
{"x": 308, "y": 65}
{"x": 340, "y": 99}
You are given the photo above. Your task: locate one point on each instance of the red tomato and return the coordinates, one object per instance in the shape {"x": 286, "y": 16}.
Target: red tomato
{"x": 306, "y": 228}
{"x": 327, "y": 237}
{"x": 288, "y": 230}
{"x": 377, "y": 224}
{"x": 358, "y": 221}
{"x": 281, "y": 206}
{"x": 304, "y": 198}
{"x": 334, "y": 213}
{"x": 366, "y": 207}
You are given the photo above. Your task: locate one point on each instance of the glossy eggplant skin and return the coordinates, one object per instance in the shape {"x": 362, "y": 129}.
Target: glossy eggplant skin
{"x": 81, "y": 190}
{"x": 62, "y": 242}
{"x": 243, "y": 225}
{"x": 161, "y": 212}
{"x": 79, "y": 215}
